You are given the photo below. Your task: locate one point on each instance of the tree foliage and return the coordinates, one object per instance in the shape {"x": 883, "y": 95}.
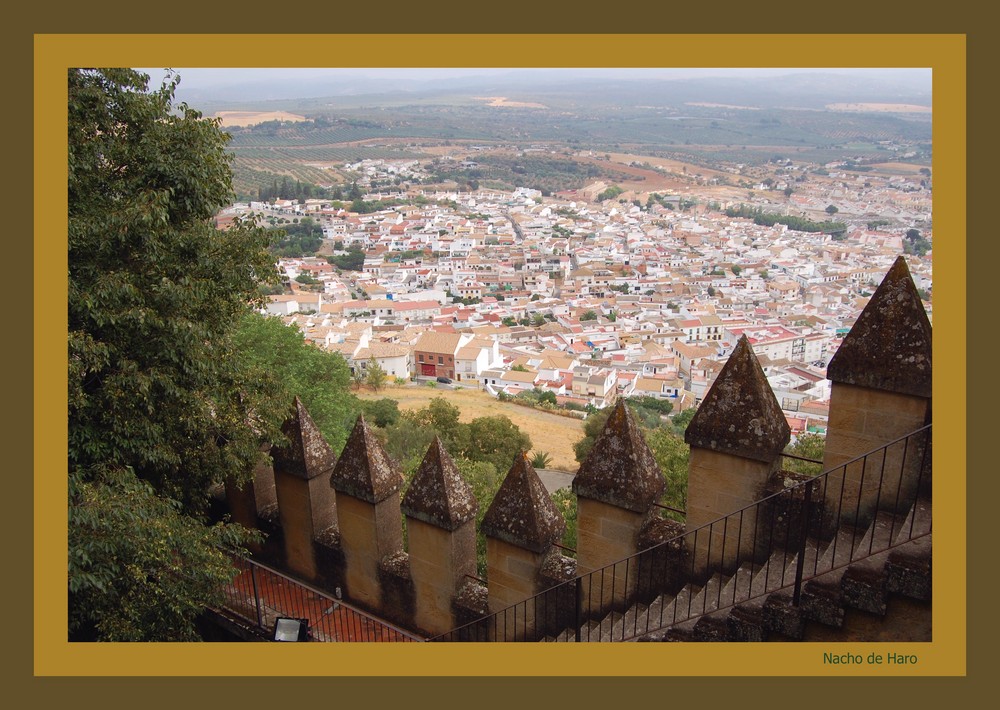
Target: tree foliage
{"x": 278, "y": 355}
{"x": 769, "y": 219}
{"x": 376, "y": 376}
{"x": 382, "y": 413}
{"x": 353, "y": 260}
{"x": 496, "y": 440}
{"x": 810, "y": 446}
{"x": 671, "y": 453}
{"x": 159, "y": 408}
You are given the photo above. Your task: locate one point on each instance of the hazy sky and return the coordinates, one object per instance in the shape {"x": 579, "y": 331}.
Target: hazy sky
{"x": 311, "y": 82}
{"x": 202, "y": 77}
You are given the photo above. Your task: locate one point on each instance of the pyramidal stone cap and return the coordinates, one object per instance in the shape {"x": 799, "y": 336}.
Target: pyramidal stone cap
{"x": 889, "y": 347}
{"x": 740, "y": 415}
{"x": 307, "y": 454}
{"x": 365, "y": 470}
{"x": 620, "y": 469}
{"x": 522, "y": 513}
{"x": 438, "y": 494}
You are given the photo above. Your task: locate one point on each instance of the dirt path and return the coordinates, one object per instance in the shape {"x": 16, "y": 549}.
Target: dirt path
{"x": 549, "y": 432}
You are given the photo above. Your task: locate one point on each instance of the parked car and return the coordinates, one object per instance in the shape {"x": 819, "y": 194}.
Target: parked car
{"x": 444, "y": 380}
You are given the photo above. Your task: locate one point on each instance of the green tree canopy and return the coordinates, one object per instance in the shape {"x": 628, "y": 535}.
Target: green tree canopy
{"x": 496, "y": 440}
{"x": 810, "y": 446}
{"x": 159, "y": 406}
{"x": 376, "y": 375}
{"x": 279, "y": 355}
{"x": 381, "y": 412}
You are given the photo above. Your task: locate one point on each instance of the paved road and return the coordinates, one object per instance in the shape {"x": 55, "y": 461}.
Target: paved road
{"x": 554, "y": 480}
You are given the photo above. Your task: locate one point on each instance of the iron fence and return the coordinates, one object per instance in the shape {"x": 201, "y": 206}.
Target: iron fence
{"x": 810, "y": 527}
{"x": 259, "y": 595}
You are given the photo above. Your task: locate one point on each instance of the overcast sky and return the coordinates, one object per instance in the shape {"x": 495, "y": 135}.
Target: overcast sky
{"x": 325, "y": 81}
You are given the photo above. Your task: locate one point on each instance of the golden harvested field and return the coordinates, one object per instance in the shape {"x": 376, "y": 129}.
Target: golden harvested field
{"x": 880, "y": 108}
{"x": 549, "y": 432}
{"x": 896, "y": 168}
{"x": 252, "y": 118}
{"x": 504, "y": 102}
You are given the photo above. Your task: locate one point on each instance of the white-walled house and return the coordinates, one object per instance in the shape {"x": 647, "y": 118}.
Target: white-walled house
{"x": 394, "y": 359}
{"x": 475, "y": 358}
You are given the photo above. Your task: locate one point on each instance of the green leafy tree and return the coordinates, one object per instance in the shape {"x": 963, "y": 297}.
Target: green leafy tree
{"x": 280, "y": 355}
{"x": 496, "y": 440}
{"x": 382, "y": 413}
{"x": 485, "y": 481}
{"x": 672, "y": 454}
{"x": 589, "y": 315}
{"x": 660, "y": 406}
{"x": 810, "y": 446}
{"x": 407, "y": 439}
{"x": 376, "y": 375}
{"x": 548, "y": 396}
{"x": 160, "y": 406}
{"x": 566, "y": 503}
{"x": 681, "y": 420}
{"x": 593, "y": 425}
{"x": 353, "y": 260}
{"x": 442, "y": 417}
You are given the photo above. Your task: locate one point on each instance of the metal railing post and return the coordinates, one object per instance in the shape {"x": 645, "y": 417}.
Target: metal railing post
{"x": 800, "y": 558}
{"x": 256, "y": 596}
{"x": 579, "y": 609}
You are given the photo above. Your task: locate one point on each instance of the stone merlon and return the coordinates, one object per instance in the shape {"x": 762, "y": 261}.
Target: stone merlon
{"x": 438, "y": 495}
{"x": 740, "y": 415}
{"x": 620, "y": 469}
{"x": 365, "y": 470}
{"x": 522, "y": 513}
{"x": 889, "y": 347}
{"x": 307, "y": 454}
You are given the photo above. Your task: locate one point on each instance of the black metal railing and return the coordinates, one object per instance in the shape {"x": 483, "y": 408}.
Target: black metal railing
{"x": 258, "y": 595}
{"x": 808, "y": 528}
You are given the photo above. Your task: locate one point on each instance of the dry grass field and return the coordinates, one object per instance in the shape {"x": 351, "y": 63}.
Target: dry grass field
{"x": 504, "y": 102}
{"x": 549, "y": 432}
{"x": 880, "y": 108}
{"x": 252, "y": 118}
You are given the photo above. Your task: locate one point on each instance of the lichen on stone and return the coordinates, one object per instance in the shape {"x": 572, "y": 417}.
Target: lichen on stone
{"x": 438, "y": 494}
{"x": 396, "y": 564}
{"x": 364, "y": 470}
{"x": 307, "y": 453}
{"x": 620, "y": 469}
{"x": 889, "y": 346}
{"x": 740, "y": 415}
{"x": 522, "y": 513}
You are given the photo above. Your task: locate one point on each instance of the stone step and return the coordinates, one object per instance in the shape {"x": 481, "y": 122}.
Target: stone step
{"x": 822, "y": 599}
{"x": 864, "y": 582}
{"x": 630, "y": 625}
{"x": 748, "y": 621}
{"x": 704, "y": 601}
{"x": 857, "y": 568}
{"x": 917, "y": 522}
{"x": 662, "y": 613}
{"x": 607, "y": 626}
{"x": 908, "y": 569}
